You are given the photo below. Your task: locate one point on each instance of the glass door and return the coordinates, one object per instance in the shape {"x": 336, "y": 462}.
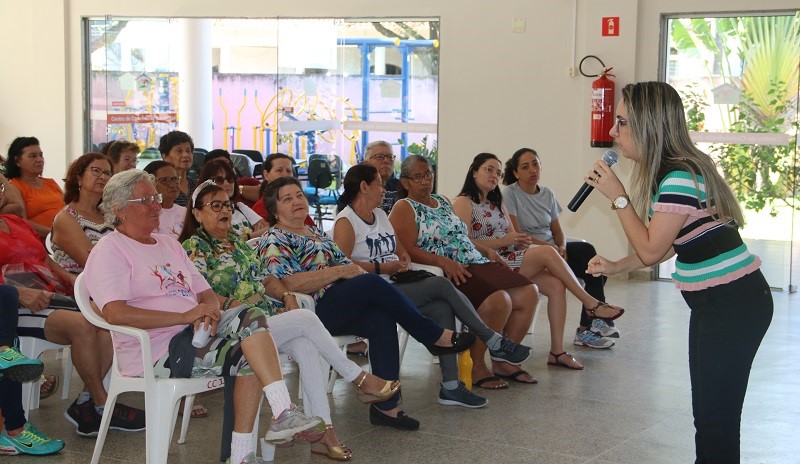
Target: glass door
{"x": 738, "y": 76}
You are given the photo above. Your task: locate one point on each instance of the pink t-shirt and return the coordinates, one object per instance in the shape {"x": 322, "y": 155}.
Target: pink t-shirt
{"x": 158, "y": 277}
{"x": 171, "y": 220}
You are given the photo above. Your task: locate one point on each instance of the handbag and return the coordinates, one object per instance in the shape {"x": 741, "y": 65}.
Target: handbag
{"x": 410, "y": 276}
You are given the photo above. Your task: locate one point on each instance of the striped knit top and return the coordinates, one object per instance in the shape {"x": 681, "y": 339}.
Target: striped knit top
{"x": 709, "y": 252}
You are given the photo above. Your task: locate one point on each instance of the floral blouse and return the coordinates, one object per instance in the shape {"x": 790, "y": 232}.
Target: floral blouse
{"x": 286, "y": 253}
{"x": 441, "y": 232}
{"x": 235, "y": 272}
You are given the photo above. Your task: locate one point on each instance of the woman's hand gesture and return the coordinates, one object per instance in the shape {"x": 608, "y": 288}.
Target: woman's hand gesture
{"x": 455, "y": 271}
{"x": 599, "y": 266}
{"x": 35, "y": 300}
{"x": 603, "y": 178}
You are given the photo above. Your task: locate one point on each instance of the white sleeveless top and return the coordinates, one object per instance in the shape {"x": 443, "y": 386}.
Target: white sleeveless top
{"x": 376, "y": 242}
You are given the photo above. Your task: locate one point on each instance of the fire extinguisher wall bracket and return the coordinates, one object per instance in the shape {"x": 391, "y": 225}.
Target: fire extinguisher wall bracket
{"x": 602, "y": 111}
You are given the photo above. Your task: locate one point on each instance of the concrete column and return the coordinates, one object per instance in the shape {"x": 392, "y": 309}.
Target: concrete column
{"x": 194, "y": 82}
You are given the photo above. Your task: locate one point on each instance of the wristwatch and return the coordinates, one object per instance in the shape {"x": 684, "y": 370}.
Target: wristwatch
{"x": 620, "y": 202}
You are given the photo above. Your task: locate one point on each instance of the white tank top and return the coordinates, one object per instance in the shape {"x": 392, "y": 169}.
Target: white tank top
{"x": 374, "y": 243}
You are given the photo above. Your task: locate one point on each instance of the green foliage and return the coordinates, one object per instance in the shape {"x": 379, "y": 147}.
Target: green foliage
{"x": 417, "y": 148}
{"x": 769, "y": 49}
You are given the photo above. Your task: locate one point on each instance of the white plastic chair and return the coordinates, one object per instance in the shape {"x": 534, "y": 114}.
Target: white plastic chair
{"x": 48, "y": 243}
{"x": 161, "y": 395}
{"x": 33, "y": 348}
{"x": 401, "y": 332}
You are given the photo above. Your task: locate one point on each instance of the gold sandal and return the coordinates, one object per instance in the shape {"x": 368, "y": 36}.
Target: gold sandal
{"x": 390, "y": 388}
{"x": 338, "y": 452}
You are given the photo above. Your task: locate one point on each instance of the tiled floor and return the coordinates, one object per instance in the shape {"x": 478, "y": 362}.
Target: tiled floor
{"x": 630, "y": 405}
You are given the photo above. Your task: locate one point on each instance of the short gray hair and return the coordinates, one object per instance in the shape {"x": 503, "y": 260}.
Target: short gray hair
{"x": 119, "y": 189}
{"x": 372, "y": 145}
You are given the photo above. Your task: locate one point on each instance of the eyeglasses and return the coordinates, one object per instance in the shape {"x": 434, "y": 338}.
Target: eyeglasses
{"x": 148, "y": 200}
{"x": 620, "y": 122}
{"x": 216, "y": 205}
{"x": 417, "y": 178}
{"x": 491, "y": 170}
{"x": 383, "y": 156}
{"x": 219, "y": 180}
{"x": 97, "y": 172}
{"x": 168, "y": 180}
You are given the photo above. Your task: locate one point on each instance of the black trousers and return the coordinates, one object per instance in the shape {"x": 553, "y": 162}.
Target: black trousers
{"x": 726, "y": 327}
{"x": 578, "y": 256}
{"x": 10, "y": 391}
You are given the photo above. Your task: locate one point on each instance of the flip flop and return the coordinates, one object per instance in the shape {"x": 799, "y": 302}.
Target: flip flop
{"x": 516, "y": 375}
{"x": 491, "y": 378}
{"x": 48, "y": 392}
{"x": 558, "y": 362}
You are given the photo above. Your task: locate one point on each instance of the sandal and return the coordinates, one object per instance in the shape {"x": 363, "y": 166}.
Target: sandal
{"x": 591, "y": 311}
{"x": 390, "y": 388}
{"x": 559, "y": 363}
{"x": 515, "y": 376}
{"x": 198, "y": 411}
{"x": 338, "y": 452}
{"x": 491, "y": 378}
{"x": 48, "y": 387}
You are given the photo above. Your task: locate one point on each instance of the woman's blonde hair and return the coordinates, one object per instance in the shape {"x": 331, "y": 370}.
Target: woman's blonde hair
{"x": 660, "y": 136}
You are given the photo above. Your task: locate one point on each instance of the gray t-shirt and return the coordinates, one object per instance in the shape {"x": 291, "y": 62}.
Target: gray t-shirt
{"x": 534, "y": 212}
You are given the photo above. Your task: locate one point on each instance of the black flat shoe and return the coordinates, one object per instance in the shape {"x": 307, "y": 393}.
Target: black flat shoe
{"x": 461, "y": 342}
{"x": 401, "y": 422}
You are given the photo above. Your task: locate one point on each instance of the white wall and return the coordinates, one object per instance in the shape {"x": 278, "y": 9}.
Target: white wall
{"x": 498, "y": 90}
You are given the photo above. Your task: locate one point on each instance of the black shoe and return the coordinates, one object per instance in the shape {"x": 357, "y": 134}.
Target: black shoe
{"x": 461, "y": 342}
{"x": 401, "y": 422}
{"x": 127, "y": 419}
{"x": 84, "y": 417}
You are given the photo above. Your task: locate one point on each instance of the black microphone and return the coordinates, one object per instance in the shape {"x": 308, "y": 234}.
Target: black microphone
{"x": 610, "y": 158}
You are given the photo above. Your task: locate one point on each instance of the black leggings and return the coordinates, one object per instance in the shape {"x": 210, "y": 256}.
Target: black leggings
{"x": 10, "y": 391}
{"x": 578, "y": 256}
{"x": 720, "y": 357}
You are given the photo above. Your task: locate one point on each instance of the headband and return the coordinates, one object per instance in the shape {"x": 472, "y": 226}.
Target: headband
{"x": 199, "y": 189}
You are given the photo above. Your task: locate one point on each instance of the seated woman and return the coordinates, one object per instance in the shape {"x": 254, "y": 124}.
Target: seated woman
{"x": 432, "y": 234}
{"x": 233, "y": 270}
{"x": 349, "y": 300}
{"x": 41, "y": 197}
{"x": 534, "y": 210}
{"x": 480, "y": 206}
{"x": 178, "y": 148}
{"x": 245, "y": 222}
{"x": 91, "y": 347}
{"x": 145, "y": 280}
{"x": 122, "y": 154}
{"x": 363, "y": 232}
{"x": 172, "y": 214}
{"x": 276, "y": 165}
{"x": 19, "y": 436}
{"x": 81, "y": 223}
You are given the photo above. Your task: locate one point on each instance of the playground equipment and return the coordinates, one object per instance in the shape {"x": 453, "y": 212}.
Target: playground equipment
{"x": 367, "y": 45}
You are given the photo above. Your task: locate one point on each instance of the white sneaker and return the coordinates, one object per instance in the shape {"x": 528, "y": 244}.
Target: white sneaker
{"x": 604, "y": 329}
{"x": 591, "y": 339}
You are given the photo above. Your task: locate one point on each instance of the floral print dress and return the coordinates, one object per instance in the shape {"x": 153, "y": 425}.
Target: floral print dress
{"x": 489, "y": 222}
{"x": 441, "y": 232}
{"x": 287, "y": 253}
{"x": 235, "y": 272}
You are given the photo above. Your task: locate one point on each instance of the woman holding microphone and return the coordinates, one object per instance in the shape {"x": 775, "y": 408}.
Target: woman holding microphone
{"x": 692, "y": 213}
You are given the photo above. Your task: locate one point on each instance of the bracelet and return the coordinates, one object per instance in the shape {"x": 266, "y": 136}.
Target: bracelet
{"x": 377, "y": 268}
{"x": 227, "y": 304}
{"x": 285, "y": 294}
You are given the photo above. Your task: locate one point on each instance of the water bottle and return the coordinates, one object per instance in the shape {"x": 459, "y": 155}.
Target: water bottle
{"x": 465, "y": 369}
{"x": 201, "y": 335}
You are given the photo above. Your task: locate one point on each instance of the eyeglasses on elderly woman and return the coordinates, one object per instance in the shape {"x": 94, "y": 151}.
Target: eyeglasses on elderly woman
{"x": 148, "y": 200}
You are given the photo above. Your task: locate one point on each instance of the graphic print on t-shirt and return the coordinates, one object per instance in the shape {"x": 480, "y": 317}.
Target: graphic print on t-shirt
{"x": 380, "y": 245}
{"x": 171, "y": 283}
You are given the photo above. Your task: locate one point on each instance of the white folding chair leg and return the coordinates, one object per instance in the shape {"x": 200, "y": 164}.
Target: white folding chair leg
{"x": 111, "y": 401}
{"x": 403, "y": 335}
{"x": 66, "y": 362}
{"x": 540, "y": 306}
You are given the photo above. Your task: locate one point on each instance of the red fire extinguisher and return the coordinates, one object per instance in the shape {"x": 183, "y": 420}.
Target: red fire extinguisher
{"x": 602, "y": 110}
